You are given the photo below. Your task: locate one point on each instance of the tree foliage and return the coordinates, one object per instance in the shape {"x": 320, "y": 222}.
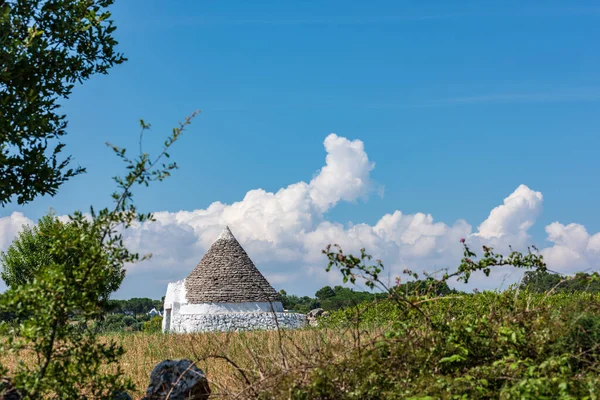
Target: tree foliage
{"x": 513, "y": 344}
{"x": 487, "y": 345}
{"x": 544, "y": 281}
{"x": 31, "y": 252}
{"x": 153, "y": 325}
{"x": 297, "y": 303}
{"x": 324, "y": 293}
{"x": 135, "y": 305}
{"x": 138, "y": 305}
{"x": 71, "y": 360}
{"x": 328, "y": 298}
{"x": 46, "y": 46}
{"x": 28, "y": 253}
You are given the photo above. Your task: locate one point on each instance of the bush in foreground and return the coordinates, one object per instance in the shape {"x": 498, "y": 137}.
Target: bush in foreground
{"x": 487, "y": 345}
{"x": 423, "y": 344}
{"x": 514, "y": 344}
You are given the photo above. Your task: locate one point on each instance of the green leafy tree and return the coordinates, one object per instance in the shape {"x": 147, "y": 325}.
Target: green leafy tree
{"x": 72, "y": 362}
{"x": 27, "y": 253}
{"x": 128, "y": 320}
{"x": 31, "y": 252}
{"x": 539, "y": 282}
{"x": 154, "y": 325}
{"x": 324, "y": 293}
{"x": 112, "y": 323}
{"x": 544, "y": 281}
{"x": 5, "y": 315}
{"x": 46, "y": 46}
{"x": 137, "y": 305}
{"x": 115, "y": 306}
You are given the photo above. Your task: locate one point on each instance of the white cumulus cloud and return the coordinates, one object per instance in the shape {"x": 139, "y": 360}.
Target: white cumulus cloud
{"x": 285, "y": 231}
{"x": 514, "y": 217}
{"x": 573, "y": 249}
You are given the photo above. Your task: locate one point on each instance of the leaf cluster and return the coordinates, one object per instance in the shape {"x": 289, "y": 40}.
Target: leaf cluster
{"x": 435, "y": 343}
{"x": 45, "y": 48}
{"x": 55, "y": 307}
{"x": 488, "y": 345}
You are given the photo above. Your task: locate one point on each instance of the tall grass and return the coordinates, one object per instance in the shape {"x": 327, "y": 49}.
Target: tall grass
{"x": 378, "y": 351}
{"x": 487, "y": 345}
{"x": 237, "y": 364}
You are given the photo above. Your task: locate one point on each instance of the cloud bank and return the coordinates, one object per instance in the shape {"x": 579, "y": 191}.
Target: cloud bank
{"x": 284, "y": 232}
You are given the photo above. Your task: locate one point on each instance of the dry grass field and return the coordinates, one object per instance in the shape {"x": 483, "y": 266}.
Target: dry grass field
{"x": 488, "y": 345}
{"x": 235, "y": 363}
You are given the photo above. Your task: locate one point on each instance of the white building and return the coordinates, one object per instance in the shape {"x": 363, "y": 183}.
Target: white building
{"x": 225, "y": 292}
{"x": 154, "y": 312}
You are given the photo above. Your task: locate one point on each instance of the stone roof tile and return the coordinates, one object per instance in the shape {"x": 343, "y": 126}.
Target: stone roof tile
{"x": 226, "y": 274}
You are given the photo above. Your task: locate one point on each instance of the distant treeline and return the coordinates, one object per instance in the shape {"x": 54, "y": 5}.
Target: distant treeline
{"x": 132, "y": 314}
{"x": 338, "y": 297}
{"x": 134, "y": 306}
{"x": 543, "y": 282}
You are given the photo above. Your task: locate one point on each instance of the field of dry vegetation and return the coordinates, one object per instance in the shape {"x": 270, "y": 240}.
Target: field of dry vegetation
{"x": 235, "y": 362}
{"x": 509, "y": 345}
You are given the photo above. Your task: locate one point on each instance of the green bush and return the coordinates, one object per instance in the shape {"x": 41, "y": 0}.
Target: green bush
{"x": 436, "y": 344}
{"x": 59, "y": 308}
{"x": 487, "y": 345}
{"x": 154, "y": 325}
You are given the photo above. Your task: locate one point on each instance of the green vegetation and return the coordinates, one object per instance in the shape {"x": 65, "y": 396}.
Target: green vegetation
{"x": 31, "y": 252}
{"x": 46, "y": 47}
{"x": 56, "y": 308}
{"x": 153, "y": 325}
{"x": 339, "y": 297}
{"x": 418, "y": 339}
{"x": 328, "y": 299}
{"x": 486, "y": 345}
{"x": 113, "y": 323}
{"x": 27, "y": 254}
{"x": 134, "y": 306}
{"x": 543, "y": 281}
{"x": 514, "y": 344}
{"x": 61, "y": 274}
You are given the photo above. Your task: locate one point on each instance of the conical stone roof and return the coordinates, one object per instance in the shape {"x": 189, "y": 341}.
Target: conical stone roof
{"x": 227, "y": 275}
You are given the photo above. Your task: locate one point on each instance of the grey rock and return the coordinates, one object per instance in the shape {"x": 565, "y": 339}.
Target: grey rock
{"x": 312, "y": 316}
{"x": 315, "y": 313}
{"x": 7, "y": 391}
{"x": 121, "y": 396}
{"x": 181, "y": 378}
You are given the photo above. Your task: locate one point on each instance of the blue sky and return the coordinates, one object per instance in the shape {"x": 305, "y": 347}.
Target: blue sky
{"x": 457, "y": 103}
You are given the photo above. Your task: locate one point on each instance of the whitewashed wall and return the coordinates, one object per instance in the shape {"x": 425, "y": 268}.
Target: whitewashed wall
{"x": 179, "y": 316}
{"x": 187, "y": 323}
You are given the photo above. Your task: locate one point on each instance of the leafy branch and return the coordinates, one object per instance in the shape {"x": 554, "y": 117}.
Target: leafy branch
{"x": 86, "y": 260}
{"x": 354, "y": 268}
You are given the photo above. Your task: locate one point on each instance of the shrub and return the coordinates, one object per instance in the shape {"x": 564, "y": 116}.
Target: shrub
{"x": 429, "y": 344}
{"x": 154, "y": 325}
{"x": 57, "y": 308}
{"x": 128, "y": 320}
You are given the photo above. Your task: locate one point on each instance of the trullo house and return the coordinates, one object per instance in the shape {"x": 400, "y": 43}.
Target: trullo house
{"x": 225, "y": 292}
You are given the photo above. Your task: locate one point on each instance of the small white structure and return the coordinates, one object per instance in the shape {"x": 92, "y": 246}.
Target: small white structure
{"x": 225, "y": 292}
{"x": 154, "y": 312}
